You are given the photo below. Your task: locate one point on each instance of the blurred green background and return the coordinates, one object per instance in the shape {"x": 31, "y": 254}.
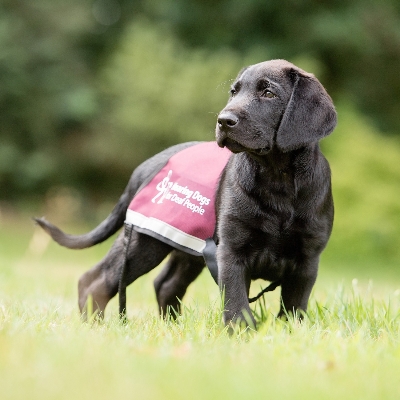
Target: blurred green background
{"x": 89, "y": 89}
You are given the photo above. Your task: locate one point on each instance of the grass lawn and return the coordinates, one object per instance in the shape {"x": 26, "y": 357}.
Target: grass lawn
{"x": 348, "y": 347}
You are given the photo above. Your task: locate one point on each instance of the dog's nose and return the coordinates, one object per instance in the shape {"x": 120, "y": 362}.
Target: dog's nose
{"x": 227, "y": 119}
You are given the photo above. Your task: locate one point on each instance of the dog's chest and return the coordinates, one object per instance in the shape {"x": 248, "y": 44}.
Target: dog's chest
{"x": 265, "y": 226}
{"x": 274, "y": 231}
{"x": 270, "y": 202}
{"x": 274, "y": 245}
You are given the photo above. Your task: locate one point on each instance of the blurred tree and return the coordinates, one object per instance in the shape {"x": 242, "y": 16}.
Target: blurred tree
{"x": 156, "y": 92}
{"x": 356, "y": 42}
{"x": 90, "y": 88}
{"x": 46, "y": 90}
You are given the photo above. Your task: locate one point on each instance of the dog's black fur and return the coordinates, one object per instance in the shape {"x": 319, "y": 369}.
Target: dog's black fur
{"x": 274, "y": 203}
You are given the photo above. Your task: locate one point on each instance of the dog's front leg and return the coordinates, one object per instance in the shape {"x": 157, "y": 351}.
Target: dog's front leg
{"x": 234, "y": 282}
{"x": 296, "y": 288}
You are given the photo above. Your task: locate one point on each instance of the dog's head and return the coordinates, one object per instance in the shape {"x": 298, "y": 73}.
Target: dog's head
{"x": 275, "y": 103}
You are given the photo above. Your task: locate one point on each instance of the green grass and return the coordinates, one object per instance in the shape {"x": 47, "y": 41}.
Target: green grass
{"x": 347, "y": 348}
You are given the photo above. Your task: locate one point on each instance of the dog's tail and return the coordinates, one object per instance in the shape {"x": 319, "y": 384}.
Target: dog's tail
{"x": 102, "y": 232}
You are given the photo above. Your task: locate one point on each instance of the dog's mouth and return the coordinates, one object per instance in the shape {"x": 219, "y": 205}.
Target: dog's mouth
{"x": 236, "y": 147}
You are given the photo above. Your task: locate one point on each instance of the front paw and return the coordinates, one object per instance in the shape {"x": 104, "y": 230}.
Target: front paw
{"x": 239, "y": 320}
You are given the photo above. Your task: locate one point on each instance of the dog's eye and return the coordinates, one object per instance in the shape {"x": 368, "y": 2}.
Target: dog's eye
{"x": 268, "y": 94}
{"x": 263, "y": 88}
{"x": 235, "y": 89}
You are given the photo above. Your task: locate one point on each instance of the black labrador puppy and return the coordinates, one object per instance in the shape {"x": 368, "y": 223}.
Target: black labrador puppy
{"x": 274, "y": 203}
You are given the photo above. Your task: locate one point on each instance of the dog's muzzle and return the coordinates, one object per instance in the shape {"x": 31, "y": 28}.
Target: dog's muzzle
{"x": 226, "y": 124}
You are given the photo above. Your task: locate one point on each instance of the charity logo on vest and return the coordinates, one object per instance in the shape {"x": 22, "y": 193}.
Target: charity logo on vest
{"x": 182, "y": 195}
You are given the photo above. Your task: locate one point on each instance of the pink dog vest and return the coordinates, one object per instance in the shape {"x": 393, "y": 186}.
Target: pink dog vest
{"x": 177, "y": 205}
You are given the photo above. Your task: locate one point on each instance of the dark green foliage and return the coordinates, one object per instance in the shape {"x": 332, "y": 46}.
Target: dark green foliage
{"x": 356, "y": 42}
{"x": 46, "y": 90}
{"x": 88, "y": 89}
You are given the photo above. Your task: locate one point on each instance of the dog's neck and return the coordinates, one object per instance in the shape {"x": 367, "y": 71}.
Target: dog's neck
{"x": 274, "y": 161}
{"x": 282, "y": 168}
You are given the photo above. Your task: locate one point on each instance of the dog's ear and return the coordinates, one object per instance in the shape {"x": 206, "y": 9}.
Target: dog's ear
{"x": 309, "y": 116}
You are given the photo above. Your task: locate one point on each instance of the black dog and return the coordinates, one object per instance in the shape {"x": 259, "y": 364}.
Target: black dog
{"x": 274, "y": 203}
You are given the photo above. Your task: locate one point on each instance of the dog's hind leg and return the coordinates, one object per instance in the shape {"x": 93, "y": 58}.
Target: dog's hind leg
{"x": 101, "y": 282}
{"x": 171, "y": 284}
